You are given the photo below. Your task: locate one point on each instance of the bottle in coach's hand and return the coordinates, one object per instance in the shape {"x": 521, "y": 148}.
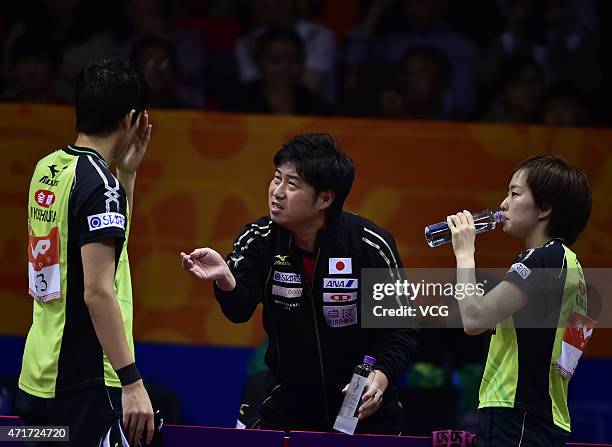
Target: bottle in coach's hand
{"x": 439, "y": 233}
{"x": 346, "y": 421}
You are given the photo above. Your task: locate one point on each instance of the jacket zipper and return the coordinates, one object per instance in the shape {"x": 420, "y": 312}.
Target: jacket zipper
{"x": 316, "y": 325}
{"x": 278, "y": 355}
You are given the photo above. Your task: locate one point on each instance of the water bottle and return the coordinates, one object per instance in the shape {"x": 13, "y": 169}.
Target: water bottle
{"x": 487, "y": 220}
{"x": 346, "y": 422}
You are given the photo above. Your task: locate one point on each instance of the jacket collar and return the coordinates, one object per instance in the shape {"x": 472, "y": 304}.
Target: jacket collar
{"x": 325, "y": 234}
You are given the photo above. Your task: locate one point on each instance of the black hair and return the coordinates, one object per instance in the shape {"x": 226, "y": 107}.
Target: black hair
{"x": 553, "y": 182}
{"x": 322, "y": 164}
{"x": 106, "y": 90}
{"x": 276, "y": 34}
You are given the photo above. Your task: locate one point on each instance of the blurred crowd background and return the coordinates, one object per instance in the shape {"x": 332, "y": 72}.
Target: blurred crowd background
{"x": 504, "y": 61}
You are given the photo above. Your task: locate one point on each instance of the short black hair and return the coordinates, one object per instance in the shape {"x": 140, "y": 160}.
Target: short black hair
{"x": 278, "y": 34}
{"x": 106, "y": 90}
{"x": 564, "y": 188}
{"x": 322, "y": 164}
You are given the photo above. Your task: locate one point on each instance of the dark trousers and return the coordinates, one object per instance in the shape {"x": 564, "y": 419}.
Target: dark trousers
{"x": 88, "y": 413}
{"x": 501, "y": 427}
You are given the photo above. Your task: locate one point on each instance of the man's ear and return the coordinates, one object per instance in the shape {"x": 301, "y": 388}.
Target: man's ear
{"x": 326, "y": 198}
{"x": 131, "y": 119}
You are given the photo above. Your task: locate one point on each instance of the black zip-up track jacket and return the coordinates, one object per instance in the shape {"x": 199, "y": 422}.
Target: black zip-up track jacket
{"x": 315, "y": 334}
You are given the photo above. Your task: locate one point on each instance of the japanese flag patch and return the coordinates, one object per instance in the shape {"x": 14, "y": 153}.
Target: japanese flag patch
{"x": 340, "y": 266}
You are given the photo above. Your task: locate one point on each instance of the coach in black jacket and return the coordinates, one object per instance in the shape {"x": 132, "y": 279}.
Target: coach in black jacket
{"x": 303, "y": 263}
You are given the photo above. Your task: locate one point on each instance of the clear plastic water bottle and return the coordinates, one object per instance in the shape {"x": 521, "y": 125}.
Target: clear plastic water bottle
{"x": 346, "y": 422}
{"x": 439, "y": 233}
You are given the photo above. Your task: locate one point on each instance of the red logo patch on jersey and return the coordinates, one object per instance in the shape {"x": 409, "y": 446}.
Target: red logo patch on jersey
{"x": 43, "y": 251}
{"x": 579, "y": 330}
{"x": 44, "y": 198}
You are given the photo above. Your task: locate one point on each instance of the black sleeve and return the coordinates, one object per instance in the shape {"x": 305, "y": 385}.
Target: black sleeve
{"x": 533, "y": 270}
{"x": 99, "y": 203}
{"x": 392, "y": 348}
{"x": 247, "y": 263}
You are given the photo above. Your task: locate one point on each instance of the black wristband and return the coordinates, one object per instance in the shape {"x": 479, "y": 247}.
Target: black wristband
{"x": 128, "y": 374}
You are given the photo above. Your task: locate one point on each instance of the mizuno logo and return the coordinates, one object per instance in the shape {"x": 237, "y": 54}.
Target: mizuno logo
{"x": 53, "y": 169}
{"x": 45, "y": 180}
{"x": 282, "y": 260}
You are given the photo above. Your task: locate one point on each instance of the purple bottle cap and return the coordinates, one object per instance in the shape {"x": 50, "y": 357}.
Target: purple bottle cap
{"x": 369, "y": 360}
{"x": 499, "y": 216}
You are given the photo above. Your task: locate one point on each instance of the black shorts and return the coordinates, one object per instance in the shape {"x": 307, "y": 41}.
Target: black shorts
{"x": 88, "y": 413}
{"x": 501, "y": 427}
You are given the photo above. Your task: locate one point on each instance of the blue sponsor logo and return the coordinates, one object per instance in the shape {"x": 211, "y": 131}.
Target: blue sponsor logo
{"x": 106, "y": 220}
{"x": 340, "y": 283}
{"x": 289, "y": 278}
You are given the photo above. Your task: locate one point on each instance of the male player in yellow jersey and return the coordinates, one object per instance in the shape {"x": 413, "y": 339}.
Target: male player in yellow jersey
{"x": 78, "y": 221}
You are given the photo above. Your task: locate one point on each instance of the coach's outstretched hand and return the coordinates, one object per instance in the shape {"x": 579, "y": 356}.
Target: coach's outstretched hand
{"x": 208, "y": 265}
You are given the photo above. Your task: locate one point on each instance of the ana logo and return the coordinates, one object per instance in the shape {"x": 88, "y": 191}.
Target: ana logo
{"x": 339, "y": 266}
{"x": 339, "y": 297}
{"x": 340, "y": 283}
{"x": 521, "y": 269}
{"x": 286, "y": 291}
{"x": 282, "y": 260}
{"x": 106, "y": 220}
{"x": 289, "y": 278}
{"x": 44, "y": 198}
